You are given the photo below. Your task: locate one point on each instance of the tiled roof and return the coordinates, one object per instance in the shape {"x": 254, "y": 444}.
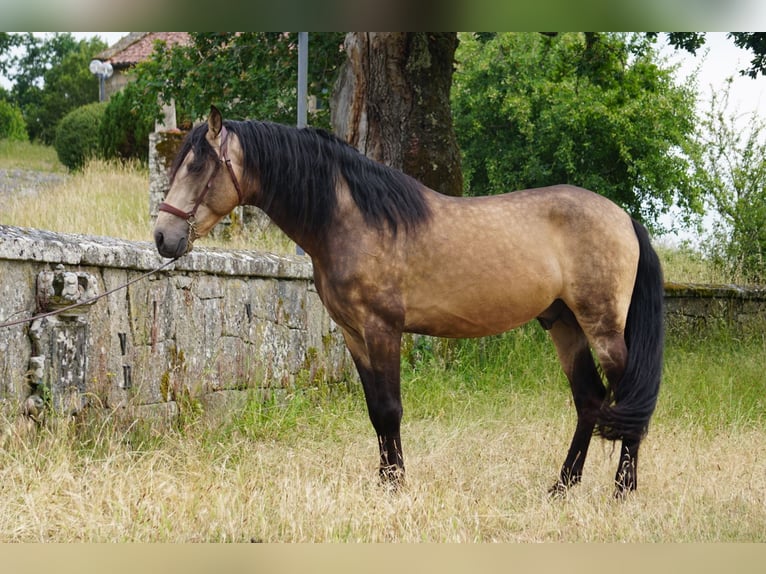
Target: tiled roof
{"x": 138, "y": 46}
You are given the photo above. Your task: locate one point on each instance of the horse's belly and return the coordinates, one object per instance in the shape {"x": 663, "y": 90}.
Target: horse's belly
{"x": 471, "y": 316}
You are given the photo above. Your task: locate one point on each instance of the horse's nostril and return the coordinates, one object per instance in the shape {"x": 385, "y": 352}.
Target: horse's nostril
{"x": 159, "y": 239}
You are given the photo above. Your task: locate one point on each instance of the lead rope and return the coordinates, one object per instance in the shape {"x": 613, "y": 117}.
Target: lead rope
{"x": 87, "y": 301}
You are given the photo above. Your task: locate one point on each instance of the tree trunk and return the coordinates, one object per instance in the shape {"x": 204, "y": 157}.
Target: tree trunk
{"x": 392, "y": 102}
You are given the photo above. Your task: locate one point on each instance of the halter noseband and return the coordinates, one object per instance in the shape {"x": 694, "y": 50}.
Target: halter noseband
{"x": 188, "y": 216}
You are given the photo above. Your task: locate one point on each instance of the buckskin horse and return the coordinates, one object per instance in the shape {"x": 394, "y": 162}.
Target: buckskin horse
{"x": 391, "y": 256}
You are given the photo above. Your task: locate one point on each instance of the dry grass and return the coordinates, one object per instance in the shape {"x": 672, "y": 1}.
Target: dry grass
{"x": 684, "y": 265}
{"x": 110, "y": 198}
{"x": 475, "y": 481}
{"x": 106, "y": 198}
{"x": 483, "y": 436}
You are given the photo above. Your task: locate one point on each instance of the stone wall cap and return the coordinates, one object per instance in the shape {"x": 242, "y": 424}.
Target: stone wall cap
{"x": 23, "y": 243}
{"x": 720, "y": 291}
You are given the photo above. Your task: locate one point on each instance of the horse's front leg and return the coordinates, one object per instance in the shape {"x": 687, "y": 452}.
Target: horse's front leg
{"x": 376, "y": 357}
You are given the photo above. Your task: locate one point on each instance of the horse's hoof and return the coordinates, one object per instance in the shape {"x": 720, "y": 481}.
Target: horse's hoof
{"x": 621, "y": 491}
{"x": 392, "y": 477}
{"x": 558, "y": 491}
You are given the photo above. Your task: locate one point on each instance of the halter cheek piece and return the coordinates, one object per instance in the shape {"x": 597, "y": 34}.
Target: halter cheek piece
{"x": 188, "y": 216}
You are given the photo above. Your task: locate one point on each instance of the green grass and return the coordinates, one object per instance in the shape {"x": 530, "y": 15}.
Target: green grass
{"x": 712, "y": 383}
{"x": 715, "y": 383}
{"x": 31, "y": 156}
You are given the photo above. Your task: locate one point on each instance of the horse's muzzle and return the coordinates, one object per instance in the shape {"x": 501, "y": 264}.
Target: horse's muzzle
{"x": 171, "y": 247}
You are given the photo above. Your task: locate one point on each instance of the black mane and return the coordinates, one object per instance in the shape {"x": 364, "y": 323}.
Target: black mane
{"x": 298, "y": 169}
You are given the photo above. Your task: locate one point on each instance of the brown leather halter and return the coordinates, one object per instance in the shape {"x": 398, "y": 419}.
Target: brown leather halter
{"x": 188, "y": 216}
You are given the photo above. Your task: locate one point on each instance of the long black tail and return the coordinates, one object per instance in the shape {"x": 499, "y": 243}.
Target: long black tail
{"x": 630, "y": 404}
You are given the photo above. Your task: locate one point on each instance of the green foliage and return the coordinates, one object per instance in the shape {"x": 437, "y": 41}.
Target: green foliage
{"x": 689, "y": 41}
{"x": 247, "y": 75}
{"x": 126, "y": 126}
{"x": 51, "y": 78}
{"x": 12, "y": 125}
{"x": 77, "y": 135}
{"x": 731, "y": 165}
{"x": 595, "y": 110}
{"x": 8, "y": 41}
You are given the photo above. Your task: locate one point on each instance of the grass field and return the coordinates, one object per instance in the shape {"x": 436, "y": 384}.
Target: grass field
{"x": 487, "y": 424}
{"x": 483, "y": 440}
{"x": 26, "y": 155}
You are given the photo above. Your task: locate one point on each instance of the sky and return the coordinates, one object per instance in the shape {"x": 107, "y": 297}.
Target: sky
{"x": 718, "y": 60}
{"x": 110, "y": 38}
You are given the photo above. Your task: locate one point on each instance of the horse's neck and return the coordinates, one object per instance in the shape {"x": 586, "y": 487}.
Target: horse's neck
{"x": 288, "y": 224}
{"x": 346, "y": 222}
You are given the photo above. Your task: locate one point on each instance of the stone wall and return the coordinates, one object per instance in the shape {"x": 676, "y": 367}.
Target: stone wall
{"x": 212, "y": 323}
{"x": 692, "y": 309}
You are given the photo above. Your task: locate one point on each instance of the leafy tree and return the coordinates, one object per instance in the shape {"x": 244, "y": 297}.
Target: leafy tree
{"x": 246, "y": 74}
{"x": 12, "y": 124}
{"x": 8, "y": 41}
{"x": 756, "y": 43}
{"x": 253, "y": 75}
{"x": 50, "y": 78}
{"x": 730, "y": 155}
{"x": 126, "y": 125}
{"x": 595, "y": 110}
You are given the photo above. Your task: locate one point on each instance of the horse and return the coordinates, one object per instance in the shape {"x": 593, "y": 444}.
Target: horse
{"x": 392, "y": 256}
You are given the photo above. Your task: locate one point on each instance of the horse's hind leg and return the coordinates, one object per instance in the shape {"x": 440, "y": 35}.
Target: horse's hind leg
{"x": 587, "y": 390}
{"x": 612, "y": 352}
{"x": 626, "y": 478}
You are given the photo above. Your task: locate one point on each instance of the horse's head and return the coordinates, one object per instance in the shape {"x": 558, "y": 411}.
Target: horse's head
{"x": 204, "y": 187}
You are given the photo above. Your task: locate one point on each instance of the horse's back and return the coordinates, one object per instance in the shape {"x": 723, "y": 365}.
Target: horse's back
{"x": 485, "y": 265}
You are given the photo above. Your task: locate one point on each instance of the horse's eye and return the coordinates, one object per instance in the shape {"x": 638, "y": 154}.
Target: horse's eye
{"x": 196, "y": 166}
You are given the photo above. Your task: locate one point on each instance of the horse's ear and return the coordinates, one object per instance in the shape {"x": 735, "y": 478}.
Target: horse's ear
{"x": 214, "y": 123}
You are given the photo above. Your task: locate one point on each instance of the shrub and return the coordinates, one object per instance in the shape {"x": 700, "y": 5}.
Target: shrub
{"x": 729, "y": 154}
{"x": 126, "y": 126}
{"x": 77, "y": 135}
{"x": 12, "y": 124}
